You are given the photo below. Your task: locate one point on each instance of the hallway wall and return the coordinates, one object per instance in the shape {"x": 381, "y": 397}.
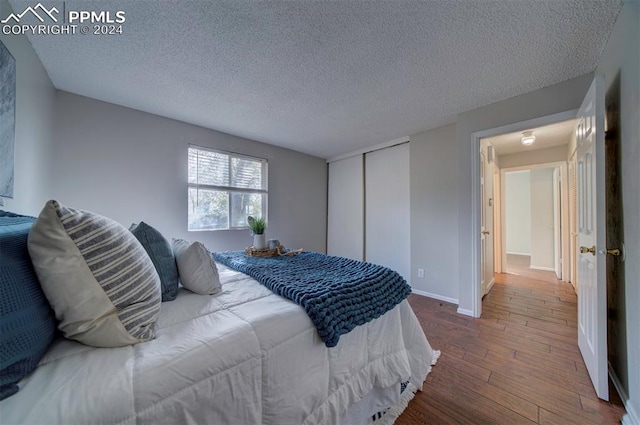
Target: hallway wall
{"x": 542, "y": 249}
{"x": 518, "y": 212}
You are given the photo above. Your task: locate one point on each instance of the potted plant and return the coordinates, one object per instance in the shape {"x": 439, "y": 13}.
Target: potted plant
{"x": 257, "y": 227}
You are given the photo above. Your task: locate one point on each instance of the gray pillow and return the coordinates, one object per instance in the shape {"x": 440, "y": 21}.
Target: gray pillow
{"x": 161, "y": 255}
{"x": 198, "y": 271}
{"x": 97, "y": 277}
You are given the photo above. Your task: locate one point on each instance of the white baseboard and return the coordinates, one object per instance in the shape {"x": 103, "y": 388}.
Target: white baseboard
{"x": 465, "y": 312}
{"x": 435, "y": 296}
{"x": 574, "y": 287}
{"x": 548, "y": 269}
{"x": 528, "y": 254}
{"x": 631, "y": 417}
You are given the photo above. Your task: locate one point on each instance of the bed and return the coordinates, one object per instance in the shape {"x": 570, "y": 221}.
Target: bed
{"x": 243, "y": 356}
{"x": 340, "y": 347}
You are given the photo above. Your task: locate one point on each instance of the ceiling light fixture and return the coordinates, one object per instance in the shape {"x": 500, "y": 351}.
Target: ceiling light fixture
{"x": 528, "y": 138}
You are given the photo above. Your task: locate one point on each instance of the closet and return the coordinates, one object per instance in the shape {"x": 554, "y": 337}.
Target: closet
{"x": 369, "y": 208}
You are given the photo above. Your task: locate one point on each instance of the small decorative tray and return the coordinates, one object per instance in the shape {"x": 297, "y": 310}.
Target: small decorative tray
{"x": 275, "y": 252}
{"x": 252, "y": 252}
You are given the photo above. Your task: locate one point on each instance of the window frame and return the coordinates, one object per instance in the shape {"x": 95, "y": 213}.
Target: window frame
{"x": 231, "y": 189}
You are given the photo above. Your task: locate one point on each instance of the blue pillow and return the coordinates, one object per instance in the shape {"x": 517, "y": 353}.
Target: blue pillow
{"x": 162, "y": 257}
{"x": 27, "y": 323}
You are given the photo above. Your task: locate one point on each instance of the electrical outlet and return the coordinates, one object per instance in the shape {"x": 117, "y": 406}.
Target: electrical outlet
{"x": 421, "y": 273}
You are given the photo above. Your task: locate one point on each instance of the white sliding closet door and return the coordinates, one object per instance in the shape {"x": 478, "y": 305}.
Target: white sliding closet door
{"x": 345, "y": 236}
{"x": 387, "y": 209}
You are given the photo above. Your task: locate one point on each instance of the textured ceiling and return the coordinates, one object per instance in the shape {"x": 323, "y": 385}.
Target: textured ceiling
{"x": 325, "y": 78}
{"x": 547, "y": 136}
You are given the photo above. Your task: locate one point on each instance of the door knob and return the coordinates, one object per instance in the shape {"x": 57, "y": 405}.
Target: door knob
{"x": 585, "y": 250}
{"x": 615, "y": 252}
{"x": 485, "y": 232}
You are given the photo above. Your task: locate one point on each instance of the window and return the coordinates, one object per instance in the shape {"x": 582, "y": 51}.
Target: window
{"x": 225, "y": 188}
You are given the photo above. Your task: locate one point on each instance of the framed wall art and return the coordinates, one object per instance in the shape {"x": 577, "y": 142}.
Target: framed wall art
{"x": 7, "y": 120}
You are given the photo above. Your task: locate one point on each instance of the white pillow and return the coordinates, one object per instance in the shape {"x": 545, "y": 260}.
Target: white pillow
{"x": 97, "y": 277}
{"x": 197, "y": 270}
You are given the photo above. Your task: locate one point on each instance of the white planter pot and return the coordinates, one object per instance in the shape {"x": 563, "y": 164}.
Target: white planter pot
{"x": 259, "y": 242}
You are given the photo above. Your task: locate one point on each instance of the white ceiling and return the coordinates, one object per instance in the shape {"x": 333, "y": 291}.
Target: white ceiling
{"x": 548, "y": 136}
{"x": 325, "y": 78}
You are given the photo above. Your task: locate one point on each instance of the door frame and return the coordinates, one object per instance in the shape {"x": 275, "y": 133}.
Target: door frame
{"x": 476, "y": 290}
{"x": 558, "y": 225}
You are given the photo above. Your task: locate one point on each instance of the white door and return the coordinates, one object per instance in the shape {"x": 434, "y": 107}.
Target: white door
{"x": 486, "y": 179}
{"x": 387, "y": 209}
{"x": 483, "y": 229}
{"x": 497, "y": 222}
{"x": 557, "y": 251}
{"x": 592, "y": 295}
{"x": 345, "y": 229}
{"x": 573, "y": 235}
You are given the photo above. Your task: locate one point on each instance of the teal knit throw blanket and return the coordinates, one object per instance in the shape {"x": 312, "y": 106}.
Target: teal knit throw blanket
{"x": 337, "y": 293}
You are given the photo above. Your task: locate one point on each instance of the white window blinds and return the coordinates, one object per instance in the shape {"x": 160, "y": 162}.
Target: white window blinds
{"x": 225, "y": 188}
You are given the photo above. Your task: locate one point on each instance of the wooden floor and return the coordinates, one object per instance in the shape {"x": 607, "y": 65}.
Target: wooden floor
{"x": 518, "y": 364}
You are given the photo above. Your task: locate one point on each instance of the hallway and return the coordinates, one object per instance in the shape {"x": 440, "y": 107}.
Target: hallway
{"x": 518, "y": 364}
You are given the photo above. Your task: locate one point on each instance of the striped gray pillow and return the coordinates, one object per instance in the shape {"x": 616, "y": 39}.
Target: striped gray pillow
{"x": 96, "y": 275}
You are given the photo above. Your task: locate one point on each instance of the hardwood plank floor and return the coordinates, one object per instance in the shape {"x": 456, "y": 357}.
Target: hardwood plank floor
{"x": 518, "y": 364}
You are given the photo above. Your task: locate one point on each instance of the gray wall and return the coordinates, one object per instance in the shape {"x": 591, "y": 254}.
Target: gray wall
{"x": 35, "y": 96}
{"x": 132, "y": 166}
{"x": 550, "y": 100}
{"x": 542, "y": 248}
{"x": 517, "y": 188}
{"x": 434, "y": 206}
{"x": 538, "y": 156}
{"x": 622, "y": 54}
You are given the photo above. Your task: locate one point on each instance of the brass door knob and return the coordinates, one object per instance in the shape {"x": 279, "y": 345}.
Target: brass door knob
{"x": 615, "y": 252}
{"x": 485, "y": 232}
{"x": 585, "y": 250}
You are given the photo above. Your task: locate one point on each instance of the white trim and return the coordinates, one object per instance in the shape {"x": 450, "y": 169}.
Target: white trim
{"x": 490, "y": 285}
{"x": 465, "y": 312}
{"x": 631, "y": 418}
{"x": 230, "y": 153}
{"x": 523, "y": 125}
{"x": 547, "y": 269}
{"x": 476, "y": 227}
{"x": 476, "y": 292}
{"x": 435, "y": 296}
{"x": 526, "y": 254}
{"x": 399, "y": 141}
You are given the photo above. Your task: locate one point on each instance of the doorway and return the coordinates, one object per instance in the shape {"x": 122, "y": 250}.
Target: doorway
{"x": 535, "y": 219}
{"x": 596, "y": 182}
{"x": 477, "y": 204}
{"x": 538, "y": 228}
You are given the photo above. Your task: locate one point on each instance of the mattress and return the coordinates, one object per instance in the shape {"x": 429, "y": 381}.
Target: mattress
{"x": 243, "y": 356}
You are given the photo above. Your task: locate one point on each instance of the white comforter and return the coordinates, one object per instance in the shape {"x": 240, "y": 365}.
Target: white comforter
{"x": 244, "y": 356}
